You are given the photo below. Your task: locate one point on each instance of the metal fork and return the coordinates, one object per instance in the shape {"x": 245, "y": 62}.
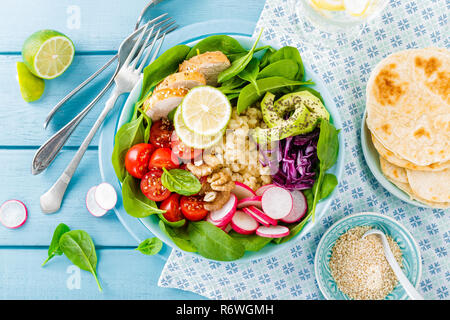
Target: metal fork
{"x": 45, "y": 155}
{"x": 126, "y": 79}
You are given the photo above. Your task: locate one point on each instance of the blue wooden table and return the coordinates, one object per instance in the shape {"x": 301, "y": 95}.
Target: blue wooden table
{"x": 96, "y": 28}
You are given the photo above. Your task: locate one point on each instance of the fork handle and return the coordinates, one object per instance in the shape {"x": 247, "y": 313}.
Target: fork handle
{"x": 52, "y": 199}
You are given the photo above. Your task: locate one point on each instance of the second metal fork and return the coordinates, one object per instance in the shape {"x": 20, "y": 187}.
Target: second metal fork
{"x": 125, "y": 80}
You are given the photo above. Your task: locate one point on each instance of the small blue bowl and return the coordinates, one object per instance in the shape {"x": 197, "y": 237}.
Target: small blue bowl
{"x": 411, "y": 258}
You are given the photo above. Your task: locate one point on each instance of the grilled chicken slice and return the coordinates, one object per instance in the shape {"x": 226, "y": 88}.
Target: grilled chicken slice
{"x": 210, "y": 64}
{"x": 161, "y": 102}
{"x": 187, "y": 80}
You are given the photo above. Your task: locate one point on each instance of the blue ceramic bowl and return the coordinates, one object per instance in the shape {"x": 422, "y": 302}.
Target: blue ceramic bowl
{"x": 412, "y": 261}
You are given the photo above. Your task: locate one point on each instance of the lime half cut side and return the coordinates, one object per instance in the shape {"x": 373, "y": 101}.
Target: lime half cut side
{"x": 206, "y": 111}
{"x": 190, "y": 138}
{"x": 48, "y": 53}
{"x": 31, "y": 87}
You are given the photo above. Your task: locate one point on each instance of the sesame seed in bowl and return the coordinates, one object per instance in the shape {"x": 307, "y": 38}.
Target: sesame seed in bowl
{"x": 348, "y": 267}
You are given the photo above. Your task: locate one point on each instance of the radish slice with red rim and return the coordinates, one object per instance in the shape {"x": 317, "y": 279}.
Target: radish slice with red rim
{"x": 260, "y": 216}
{"x": 272, "y": 231}
{"x": 13, "y": 214}
{"x": 261, "y": 190}
{"x": 252, "y": 201}
{"x": 223, "y": 215}
{"x": 105, "y": 195}
{"x": 242, "y": 223}
{"x": 277, "y": 202}
{"x": 92, "y": 205}
{"x": 242, "y": 191}
{"x": 299, "y": 209}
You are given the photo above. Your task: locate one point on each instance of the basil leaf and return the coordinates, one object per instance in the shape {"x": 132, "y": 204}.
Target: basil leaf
{"x": 250, "y": 73}
{"x": 128, "y": 135}
{"x": 54, "y": 249}
{"x": 180, "y": 181}
{"x": 77, "y": 245}
{"x": 251, "y": 242}
{"x": 179, "y": 236}
{"x": 136, "y": 204}
{"x": 213, "y": 243}
{"x": 150, "y": 246}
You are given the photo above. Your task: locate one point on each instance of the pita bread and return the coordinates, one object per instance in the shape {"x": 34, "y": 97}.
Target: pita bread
{"x": 408, "y": 110}
{"x": 393, "y": 172}
{"x": 431, "y": 186}
{"x": 393, "y": 159}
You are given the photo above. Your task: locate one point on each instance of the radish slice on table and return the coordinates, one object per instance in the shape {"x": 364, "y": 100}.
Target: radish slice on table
{"x": 242, "y": 191}
{"x": 272, "y": 231}
{"x": 244, "y": 224}
{"x": 13, "y": 214}
{"x": 261, "y": 190}
{"x": 92, "y": 205}
{"x": 252, "y": 201}
{"x": 277, "y": 202}
{"x": 260, "y": 216}
{"x": 299, "y": 209}
{"x": 105, "y": 195}
{"x": 223, "y": 216}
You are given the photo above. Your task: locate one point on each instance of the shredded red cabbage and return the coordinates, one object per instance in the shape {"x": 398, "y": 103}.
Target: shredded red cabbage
{"x": 292, "y": 162}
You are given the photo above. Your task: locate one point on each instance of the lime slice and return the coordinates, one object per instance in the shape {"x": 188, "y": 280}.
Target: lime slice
{"x": 31, "y": 87}
{"x": 331, "y": 5}
{"x": 205, "y": 110}
{"x": 356, "y": 8}
{"x": 48, "y": 53}
{"x": 192, "y": 139}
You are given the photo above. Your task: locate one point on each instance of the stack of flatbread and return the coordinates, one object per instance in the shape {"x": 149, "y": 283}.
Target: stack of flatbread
{"x": 408, "y": 115}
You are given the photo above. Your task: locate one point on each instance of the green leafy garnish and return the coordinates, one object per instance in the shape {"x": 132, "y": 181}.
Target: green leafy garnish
{"x": 136, "y": 204}
{"x": 54, "y": 249}
{"x": 150, "y": 246}
{"x": 180, "y": 181}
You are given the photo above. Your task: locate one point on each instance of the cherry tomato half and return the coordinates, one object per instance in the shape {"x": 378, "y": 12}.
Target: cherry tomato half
{"x": 163, "y": 158}
{"x": 192, "y": 208}
{"x": 182, "y": 151}
{"x": 151, "y": 185}
{"x": 161, "y": 133}
{"x": 172, "y": 207}
{"x": 137, "y": 158}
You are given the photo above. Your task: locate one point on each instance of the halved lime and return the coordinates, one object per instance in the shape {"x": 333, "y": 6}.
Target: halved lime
{"x": 206, "y": 111}
{"x": 190, "y": 138}
{"x": 31, "y": 87}
{"x": 48, "y": 53}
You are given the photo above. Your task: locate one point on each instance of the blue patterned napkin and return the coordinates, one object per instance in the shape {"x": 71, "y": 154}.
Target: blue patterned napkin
{"x": 345, "y": 70}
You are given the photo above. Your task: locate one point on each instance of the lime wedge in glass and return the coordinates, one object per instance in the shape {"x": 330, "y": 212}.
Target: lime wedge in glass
{"x": 31, "y": 87}
{"x": 48, "y": 53}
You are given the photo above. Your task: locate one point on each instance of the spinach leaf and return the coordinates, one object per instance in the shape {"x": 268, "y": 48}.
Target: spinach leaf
{"x": 291, "y": 53}
{"x": 166, "y": 64}
{"x": 226, "y": 44}
{"x": 135, "y": 203}
{"x": 180, "y": 181}
{"x": 265, "y": 59}
{"x": 250, "y": 73}
{"x": 251, "y": 242}
{"x": 238, "y": 65}
{"x": 150, "y": 246}
{"x": 54, "y": 249}
{"x": 285, "y": 68}
{"x": 128, "y": 135}
{"x": 213, "y": 243}
{"x": 179, "y": 236}
{"x": 328, "y": 184}
{"x": 77, "y": 245}
{"x": 249, "y": 96}
{"x": 176, "y": 224}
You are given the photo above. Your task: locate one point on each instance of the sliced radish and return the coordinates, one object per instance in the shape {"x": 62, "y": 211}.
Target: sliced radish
{"x": 242, "y": 223}
{"x": 92, "y": 205}
{"x": 242, "y": 191}
{"x": 223, "y": 216}
{"x": 252, "y": 201}
{"x": 106, "y": 196}
{"x": 277, "y": 202}
{"x": 13, "y": 214}
{"x": 299, "y": 209}
{"x": 261, "y": 190}
{"x": 272, "y": 231}
{"x": 260, "y": 216}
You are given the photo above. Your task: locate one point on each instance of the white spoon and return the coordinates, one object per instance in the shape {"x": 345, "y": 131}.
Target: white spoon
{"x": 409, "y": 288}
